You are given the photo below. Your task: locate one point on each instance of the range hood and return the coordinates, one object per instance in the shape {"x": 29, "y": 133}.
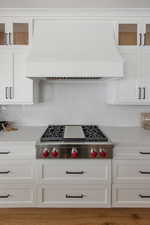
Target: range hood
{"x": 73, "y": 48}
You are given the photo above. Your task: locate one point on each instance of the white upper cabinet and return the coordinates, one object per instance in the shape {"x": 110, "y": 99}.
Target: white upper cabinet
{"x": 133, "y": 41}
{"x": 15, "y": 32}
{"x": 15, "y": 88}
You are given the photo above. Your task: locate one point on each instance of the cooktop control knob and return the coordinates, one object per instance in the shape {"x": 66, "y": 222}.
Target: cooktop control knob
{"x": 45, "y": 153}
{"x": 102, "y": 153}
{"x": 93, "y": 153}
{"x": 74, "y": 153}
{"x": 54, "y": 152}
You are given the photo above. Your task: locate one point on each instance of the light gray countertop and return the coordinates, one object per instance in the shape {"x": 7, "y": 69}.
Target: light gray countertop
{"x": 118, "y": 135}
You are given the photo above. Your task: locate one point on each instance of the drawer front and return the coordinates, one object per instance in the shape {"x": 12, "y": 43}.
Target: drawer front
{"x": 17, "y": 151}
{"x": 131, "y": 152}
{"x": 131, "y": 171}
{"x": 129, "y": 195}
{"x": 76, "y": 170}
{"x": 75, "y": 195}
{"x": 16, "y": 171}
{"x": 16, "y": 194}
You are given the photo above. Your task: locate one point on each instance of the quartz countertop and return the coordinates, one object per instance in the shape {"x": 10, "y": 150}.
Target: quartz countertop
{"x": 118, "y": 135}
{"x": 133, "y": 136}
{"x": 23, "y": 134}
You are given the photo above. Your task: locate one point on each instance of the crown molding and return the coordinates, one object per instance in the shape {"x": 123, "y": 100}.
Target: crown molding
{"x": 75, "y": 12}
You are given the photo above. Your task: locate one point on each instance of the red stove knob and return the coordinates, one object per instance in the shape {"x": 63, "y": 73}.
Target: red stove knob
{"x": 54, "y": 153}
{"x": 102, "y": 153}
{"x": 93, "y": 153}
{"x": 74, "y": 153}
{"x": 45, "y": 153}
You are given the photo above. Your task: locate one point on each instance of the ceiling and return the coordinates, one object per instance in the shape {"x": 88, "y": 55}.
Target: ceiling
{"x": 75, "y": 4}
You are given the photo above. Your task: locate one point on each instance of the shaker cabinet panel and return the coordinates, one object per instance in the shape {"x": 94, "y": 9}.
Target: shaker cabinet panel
{"x": 23, "y": 87}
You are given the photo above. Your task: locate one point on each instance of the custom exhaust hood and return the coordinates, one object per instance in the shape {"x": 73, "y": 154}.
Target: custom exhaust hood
{"x": 73, "y": 49}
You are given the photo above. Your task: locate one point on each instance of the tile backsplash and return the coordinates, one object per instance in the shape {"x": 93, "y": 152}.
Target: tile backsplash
{"x": 74, "y": 103}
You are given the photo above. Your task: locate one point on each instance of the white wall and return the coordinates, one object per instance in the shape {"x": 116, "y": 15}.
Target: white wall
{"x": 74, "y": 3}
{"x": 74, "y": 104}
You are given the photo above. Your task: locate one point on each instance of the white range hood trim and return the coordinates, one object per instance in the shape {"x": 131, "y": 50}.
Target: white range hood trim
{"x": 74, "y": 48}
{"x": 68, "y": 69}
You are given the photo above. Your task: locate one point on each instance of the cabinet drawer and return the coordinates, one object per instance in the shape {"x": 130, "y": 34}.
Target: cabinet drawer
{"x": 129, "y": 195}
{"x": 16, "y": 171}
{"x": 131, "y": 171}
{"x": 16, "y": 195}
{"x": 17, "y": 151}
{"x": 131, "y": 152}
{"x": 75, "y": 195}
{"x": 76, "y": 169}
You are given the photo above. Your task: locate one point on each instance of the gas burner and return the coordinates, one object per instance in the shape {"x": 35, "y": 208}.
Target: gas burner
{"x": 93, "y": 133}
{"x": 53, "y": 133}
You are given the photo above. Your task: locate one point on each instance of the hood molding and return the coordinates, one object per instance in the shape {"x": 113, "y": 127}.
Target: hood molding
{"x": 74, "y": 48}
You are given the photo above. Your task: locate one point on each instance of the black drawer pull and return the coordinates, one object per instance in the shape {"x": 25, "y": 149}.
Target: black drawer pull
{"x": 5, "y": 172}
{"x": 144, "y": 172}
{"x": 4, "y": 196}
{"x": 76, "y": 172}
{"x": 75, "y": 196}
{"x": 144, "y": 196}
{"x": 145, "y": 153}
{"x": 4, "y": 153}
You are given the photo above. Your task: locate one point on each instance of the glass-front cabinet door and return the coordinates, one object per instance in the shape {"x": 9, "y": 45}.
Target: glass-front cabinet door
{"x": 127, "y": 34}
{"x": 20, "y": 34}
{"x": 2, "y": 34}
{"x": 147, "y": 35}
{"x": 15, "y": 32}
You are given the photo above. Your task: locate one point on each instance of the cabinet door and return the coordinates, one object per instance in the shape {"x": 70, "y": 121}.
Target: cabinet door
{"x": 127, "y": 91}
{"x": 146, "y": 41}
{"x": 23, "y": 87}
{"x": 6, "y": 76}
{"x": 20, "y": 33}
{"x": 128, "y": 34}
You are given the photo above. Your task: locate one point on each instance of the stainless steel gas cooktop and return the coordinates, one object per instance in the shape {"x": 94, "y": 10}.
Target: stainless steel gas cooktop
{"x": 74, "y": 141}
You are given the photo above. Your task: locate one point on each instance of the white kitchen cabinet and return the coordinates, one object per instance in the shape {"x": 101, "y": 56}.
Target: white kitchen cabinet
{"x": 75, "y": 196}
{"x": 15, "y": 87}
{"x": 15, "y": 32}
{"x": 132, "y": 39}
{"x": 6, "y": 76}
{"x": 16, "y": 195}
{"x": 131, "y": 195}
{"x": 131, "y": 176}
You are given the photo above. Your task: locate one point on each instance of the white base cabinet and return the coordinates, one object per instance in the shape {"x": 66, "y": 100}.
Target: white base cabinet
{"x": 131, "y": 195}
{"x": 74, "y": 183}
{"x": 75, "y": 196}
{"x": 131, "y": 177}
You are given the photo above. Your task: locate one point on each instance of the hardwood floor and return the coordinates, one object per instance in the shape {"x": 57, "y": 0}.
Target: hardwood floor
{"x": 74, "y": 216}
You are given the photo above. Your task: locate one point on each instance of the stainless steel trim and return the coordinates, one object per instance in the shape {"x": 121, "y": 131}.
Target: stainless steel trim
{"x": 140, "y": 92}
{"x": 140, "y": 43}
{"x": 6, "y": 92}
{"x": 84, "y": 150}
{"x": 6, "y": 39}
{"x": 9, "y": 36}
{"x": 144, "y": 39}
{"x": 144, "y": 93}
{"x": 11, "y": 93}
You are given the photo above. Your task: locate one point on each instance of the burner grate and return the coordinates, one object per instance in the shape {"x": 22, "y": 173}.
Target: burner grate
{"x": 53, "y": 133}
{"x": 93, "y": 133}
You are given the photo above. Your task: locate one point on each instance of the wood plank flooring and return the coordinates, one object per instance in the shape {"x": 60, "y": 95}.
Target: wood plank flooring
{"x": 74, "y": 216}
